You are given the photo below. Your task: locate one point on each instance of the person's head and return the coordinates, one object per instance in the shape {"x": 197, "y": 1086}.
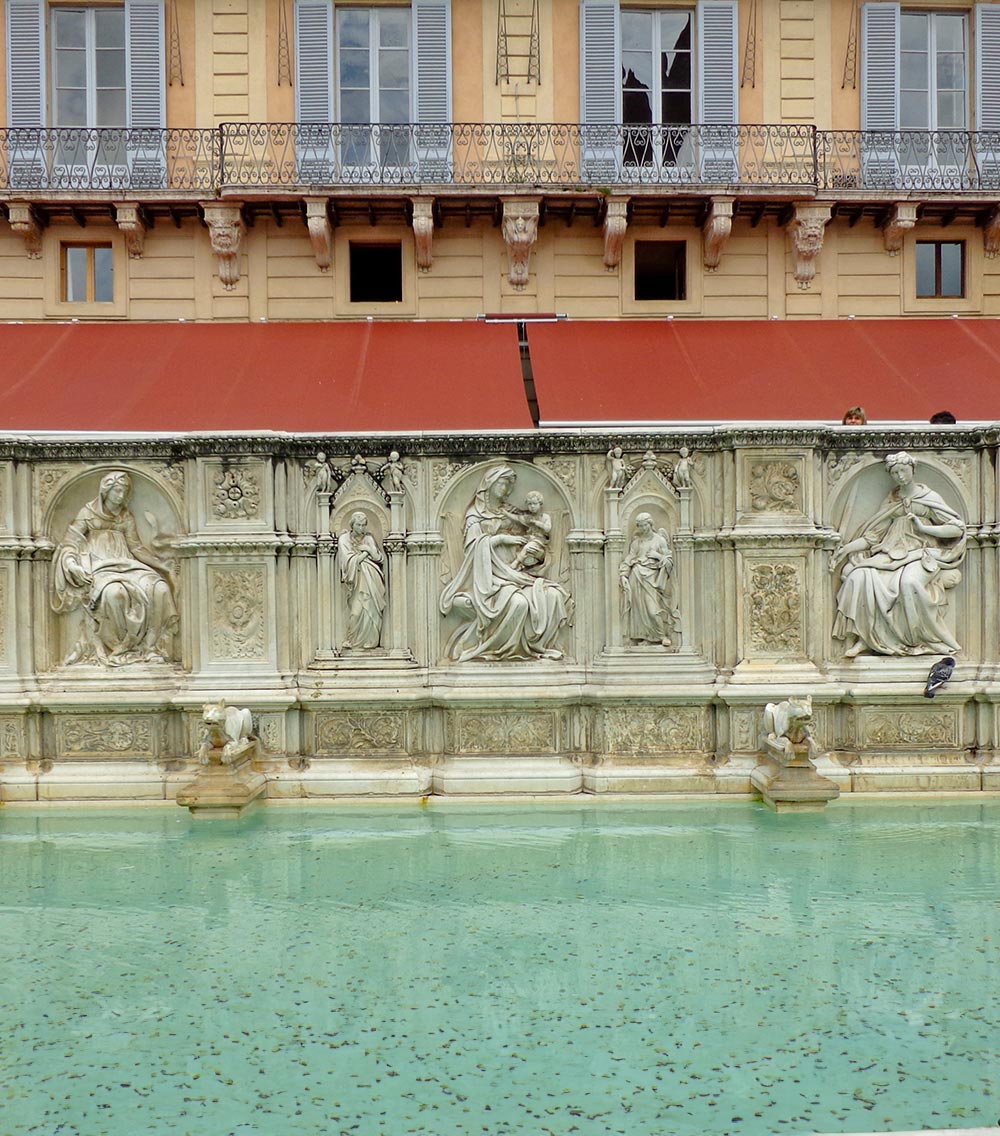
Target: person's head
{"x": 644, "y": 523}
{"x": 321, "y": 457}
{"x": 855, "y": 416}
{"x": 900, "y": 467}
{"x": 359, "y": 523}
{"x": 533, "y": 501}
{"x": 685, "y": 452}
{"x": 116, "y": 488}
{"x": 499, "y": 483}
{"x": 943, "y": 418}
{"x": 532, "y": 554}
{"x": 394, "y": 456}
{"x": 616, "y": 452}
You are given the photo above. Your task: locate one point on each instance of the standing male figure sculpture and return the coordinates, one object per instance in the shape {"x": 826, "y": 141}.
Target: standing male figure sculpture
{"x": 362, "y": 570}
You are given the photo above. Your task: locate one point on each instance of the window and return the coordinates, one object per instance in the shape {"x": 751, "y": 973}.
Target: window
{"x": 940, "y": 269}
{"x": 87, "y": 274}
{"x": 376, "y": 272}
{"x": 660, "y": 270}
{"x": 373, "y": 82}
{"x": 657, "y": 80}
{"x": 88, "y": 67}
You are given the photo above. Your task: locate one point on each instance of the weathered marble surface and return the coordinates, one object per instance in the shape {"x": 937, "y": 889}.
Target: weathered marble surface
{"x": 484, "y": 646}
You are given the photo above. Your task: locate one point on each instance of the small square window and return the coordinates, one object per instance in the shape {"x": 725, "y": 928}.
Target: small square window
{"x": 88, "y": 274}
{"x": 376, "y": 273}
{"x": 660, "y": 270}
{"x": 940, "y": 269}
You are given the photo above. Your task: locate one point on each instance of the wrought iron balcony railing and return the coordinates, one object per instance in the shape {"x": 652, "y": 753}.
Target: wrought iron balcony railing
{"x": 934, "y": 161}
{"x": 284, "y": 155}
{"x": 61, "y": 159}
{"x": 308, "y": 158}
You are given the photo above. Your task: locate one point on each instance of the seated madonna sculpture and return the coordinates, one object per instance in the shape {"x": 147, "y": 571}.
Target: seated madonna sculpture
{"x": 898, "y": 570}
{"x": 509, "y": 609}
{"x": 126, "y": 594}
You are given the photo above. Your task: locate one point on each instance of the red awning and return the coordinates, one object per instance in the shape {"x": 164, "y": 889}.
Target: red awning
{"x": 739, "y": 370}
{"x": 300, "y": 377}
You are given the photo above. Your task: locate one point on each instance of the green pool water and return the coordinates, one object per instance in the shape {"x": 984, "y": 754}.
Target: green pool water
{"x": 580, "y": 968}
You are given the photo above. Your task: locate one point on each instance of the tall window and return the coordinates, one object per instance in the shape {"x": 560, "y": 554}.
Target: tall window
{"x": 88, "y": 66}
{"x": 657, "y": 82}
{"x": 373, "y": 82}
{"x": 933, "y": 85}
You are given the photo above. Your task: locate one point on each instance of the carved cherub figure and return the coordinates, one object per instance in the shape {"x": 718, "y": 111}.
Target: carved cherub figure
{"x": 617, "y": 468}
{"x": 393, "y": 470}
{"x": 537, "y": 526}
{"x": 681, "y": 476}
{"x": 320, "y": 469}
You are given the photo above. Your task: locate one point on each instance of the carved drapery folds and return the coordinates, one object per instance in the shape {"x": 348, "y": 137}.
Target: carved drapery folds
{"x": 129, "y": 218}
{"x": 902, "y": 218}
{"x": 423, "y": 231}
{"x": 807, "y": 229}
{"x": 716, "y": 230}
{"x": 320, "y": 231}
{"x": 227, "y": 230}
{"x": 615, "y": 224}
{"x": 25, "y": 222}
{"x": 520, "y": 231}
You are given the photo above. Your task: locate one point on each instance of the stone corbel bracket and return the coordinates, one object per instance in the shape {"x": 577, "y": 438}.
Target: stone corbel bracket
{"x": 991, "y": 233}
{"x": 902, "y": 218}
{"x": 25, "y": 222}
{"x": 520, "y": 232}
{"x": 718, "y": 225}
{"x": 615, "y": 224}
{"x": 423, "y": 231}
{"x": 320, "y": 231}
{"x": 226, "y": 228}
{"x": 129, "y": 218}
{"x": 807, "y": 227}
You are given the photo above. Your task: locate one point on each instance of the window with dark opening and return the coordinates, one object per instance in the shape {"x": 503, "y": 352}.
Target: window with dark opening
{"x": 376, "y": 273}
{"x": 88, "y": 274}
{"x": 660, "y": 270}
{"x": 941, "y": 269}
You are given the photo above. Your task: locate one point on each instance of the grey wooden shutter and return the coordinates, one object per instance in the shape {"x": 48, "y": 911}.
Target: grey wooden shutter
{"x": 314, "y": 111}
{"x": 600, "y": 88}
{"x": 26, "y": 91}
{"x": 432, "y": 103}
{"x": 880, "y": 167}
{"x": 718, "y": 94}
{"x": 146, "y": 97}
{"x": 987, "y": 148}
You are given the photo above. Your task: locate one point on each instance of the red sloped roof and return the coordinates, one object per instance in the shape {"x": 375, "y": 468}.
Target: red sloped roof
{"x": 738, "y": 370}
{"x": 300, "y": 377}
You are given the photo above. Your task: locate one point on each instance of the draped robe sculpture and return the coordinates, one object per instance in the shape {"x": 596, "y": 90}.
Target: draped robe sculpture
{"x": 362, "y": 568}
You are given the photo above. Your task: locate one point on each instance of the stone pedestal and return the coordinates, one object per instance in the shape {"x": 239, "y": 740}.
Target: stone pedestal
{"x": 788, "y": 782}
{"x": 224, "y": 789}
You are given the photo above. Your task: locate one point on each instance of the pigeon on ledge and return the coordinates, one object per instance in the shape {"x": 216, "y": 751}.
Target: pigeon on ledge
{"x": 938, "y": 676}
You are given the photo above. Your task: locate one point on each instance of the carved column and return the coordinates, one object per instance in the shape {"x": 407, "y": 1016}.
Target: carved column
{"x": 615, "y": 224}
{"x": 991, "y": 233}
{"x": 614, "y": 551}
{"x": 684, "y": 564}
{"x": 394, "y": 635}
{"x": 424, "y": 551}
{"x": 129, "y": 218}
{"x": 320, "y": 231}
{"x": 585, "y": 549}
{"x": 807, "y": 228}
{"x": 24, "y": 221}
{"x": 326, "y": 565}
{"x": 716, "y": 230}
{"x": 520, "y": 231}
{"x": 901, "y": 220}
{"x": 423, "y": 231}
{"x": 226, "y": 229}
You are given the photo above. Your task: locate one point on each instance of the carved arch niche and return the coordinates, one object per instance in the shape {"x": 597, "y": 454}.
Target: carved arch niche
{"x": 158, "y": 512}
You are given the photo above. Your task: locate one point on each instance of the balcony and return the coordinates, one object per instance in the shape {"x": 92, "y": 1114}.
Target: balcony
{"x": 909, "y": 161}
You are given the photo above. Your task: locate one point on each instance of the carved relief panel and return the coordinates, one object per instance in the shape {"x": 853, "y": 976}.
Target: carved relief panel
{"x": 236, "y": 494}
{"x": 909, "y": 728}
{"x": 13, "y": 743}
{"x": 773, "y": 602}
{"x": 86, "y": 737}
{"x": 643, "y": 730}
{"x": 508, "y": 731}
{"x": 239, "y": 606}
{"x": 773, "y": 485}
{"x": 343, "y": 733}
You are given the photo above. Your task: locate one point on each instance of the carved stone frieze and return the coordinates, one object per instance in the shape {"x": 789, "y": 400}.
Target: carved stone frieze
{"x": 562, "y": 468}
{"x": 320, "y": 231}
{"x": 902, "y": 218}
{"x": 652, "y": 729}
{"x": 271, "y": 732}
{"x": 745, "y": 730}
{"x": 807, "y": 229}
{"x": 129, "y": 218}
{"x": 26, "y": 223}
{"x": 47, "y": 481}
{"x": 12, "y": 741}
{"x": 774, "y": 487}
{"x": 960, "y": 466}
{"x": 226, "y": 229}
{"x": 105, "y": 735}
{"x": 840, "y": 465}
{"x": 507, "y": 731}
{"x": 774, "y": 607}
{"x": 423, "y": 231}
{"x": 360, "y": 731}
{"x": 520, "y": 231}
{"x": 237, "y": 609}
{"x": 718, "y": 225}
{"x": 910, "y": 727}
{"x": 615, "y": 226}
{"x": 236, "y": 494}
{"x": 443, "y": 472}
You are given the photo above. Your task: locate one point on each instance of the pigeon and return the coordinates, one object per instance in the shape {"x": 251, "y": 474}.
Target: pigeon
{"x": 938, "y": 676}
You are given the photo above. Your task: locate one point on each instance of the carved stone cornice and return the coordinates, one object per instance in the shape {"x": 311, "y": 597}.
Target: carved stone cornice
{"x": 807, "y": 228}
{"x": 716, "y": 230}
{"x": 589, "y": 541}
{"x": 787, "y": 539}
{"x": 424, "y": 543}
{"x": 25, "y": 222}
{"x": 901, "y": 220}
{"x": 320, "y": 231}
{"x": 226, "y": 229}
{"x": 129, "y": 218}
{"x": 194, "y": 544}
{"x": 615, "y": 224}
{"x": 991, "y": 233}
{"x": 520, "y": 231}
{"x": 423, "y": 231}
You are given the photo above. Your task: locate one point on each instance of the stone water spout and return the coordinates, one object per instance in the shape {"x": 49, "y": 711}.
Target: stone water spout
{"x": 786, "y": 777}
{"x": 226, "y": 783}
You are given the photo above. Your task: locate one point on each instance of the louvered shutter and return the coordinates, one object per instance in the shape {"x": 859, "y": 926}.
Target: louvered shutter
{"x": 432, "y": 68}
{"x": 718, "y": 98}
{"x": 26, "y": 91}
{"x": 146, "y": 98}
{"x": 314, "y": 90}
{"x": 880, "y": 95}
{"x": 600, "y": 88}
{"x": 987, "y": 147}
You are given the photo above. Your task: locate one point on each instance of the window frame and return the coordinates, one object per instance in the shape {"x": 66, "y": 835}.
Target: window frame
{"x": 91, "y": 248}
{"x": 938, "y": 246}
{"x": 91, "y": 88}
{"x": 53, "y": 240}
{"x": 693, "y": 272}
{"x": 974, "y": 269}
